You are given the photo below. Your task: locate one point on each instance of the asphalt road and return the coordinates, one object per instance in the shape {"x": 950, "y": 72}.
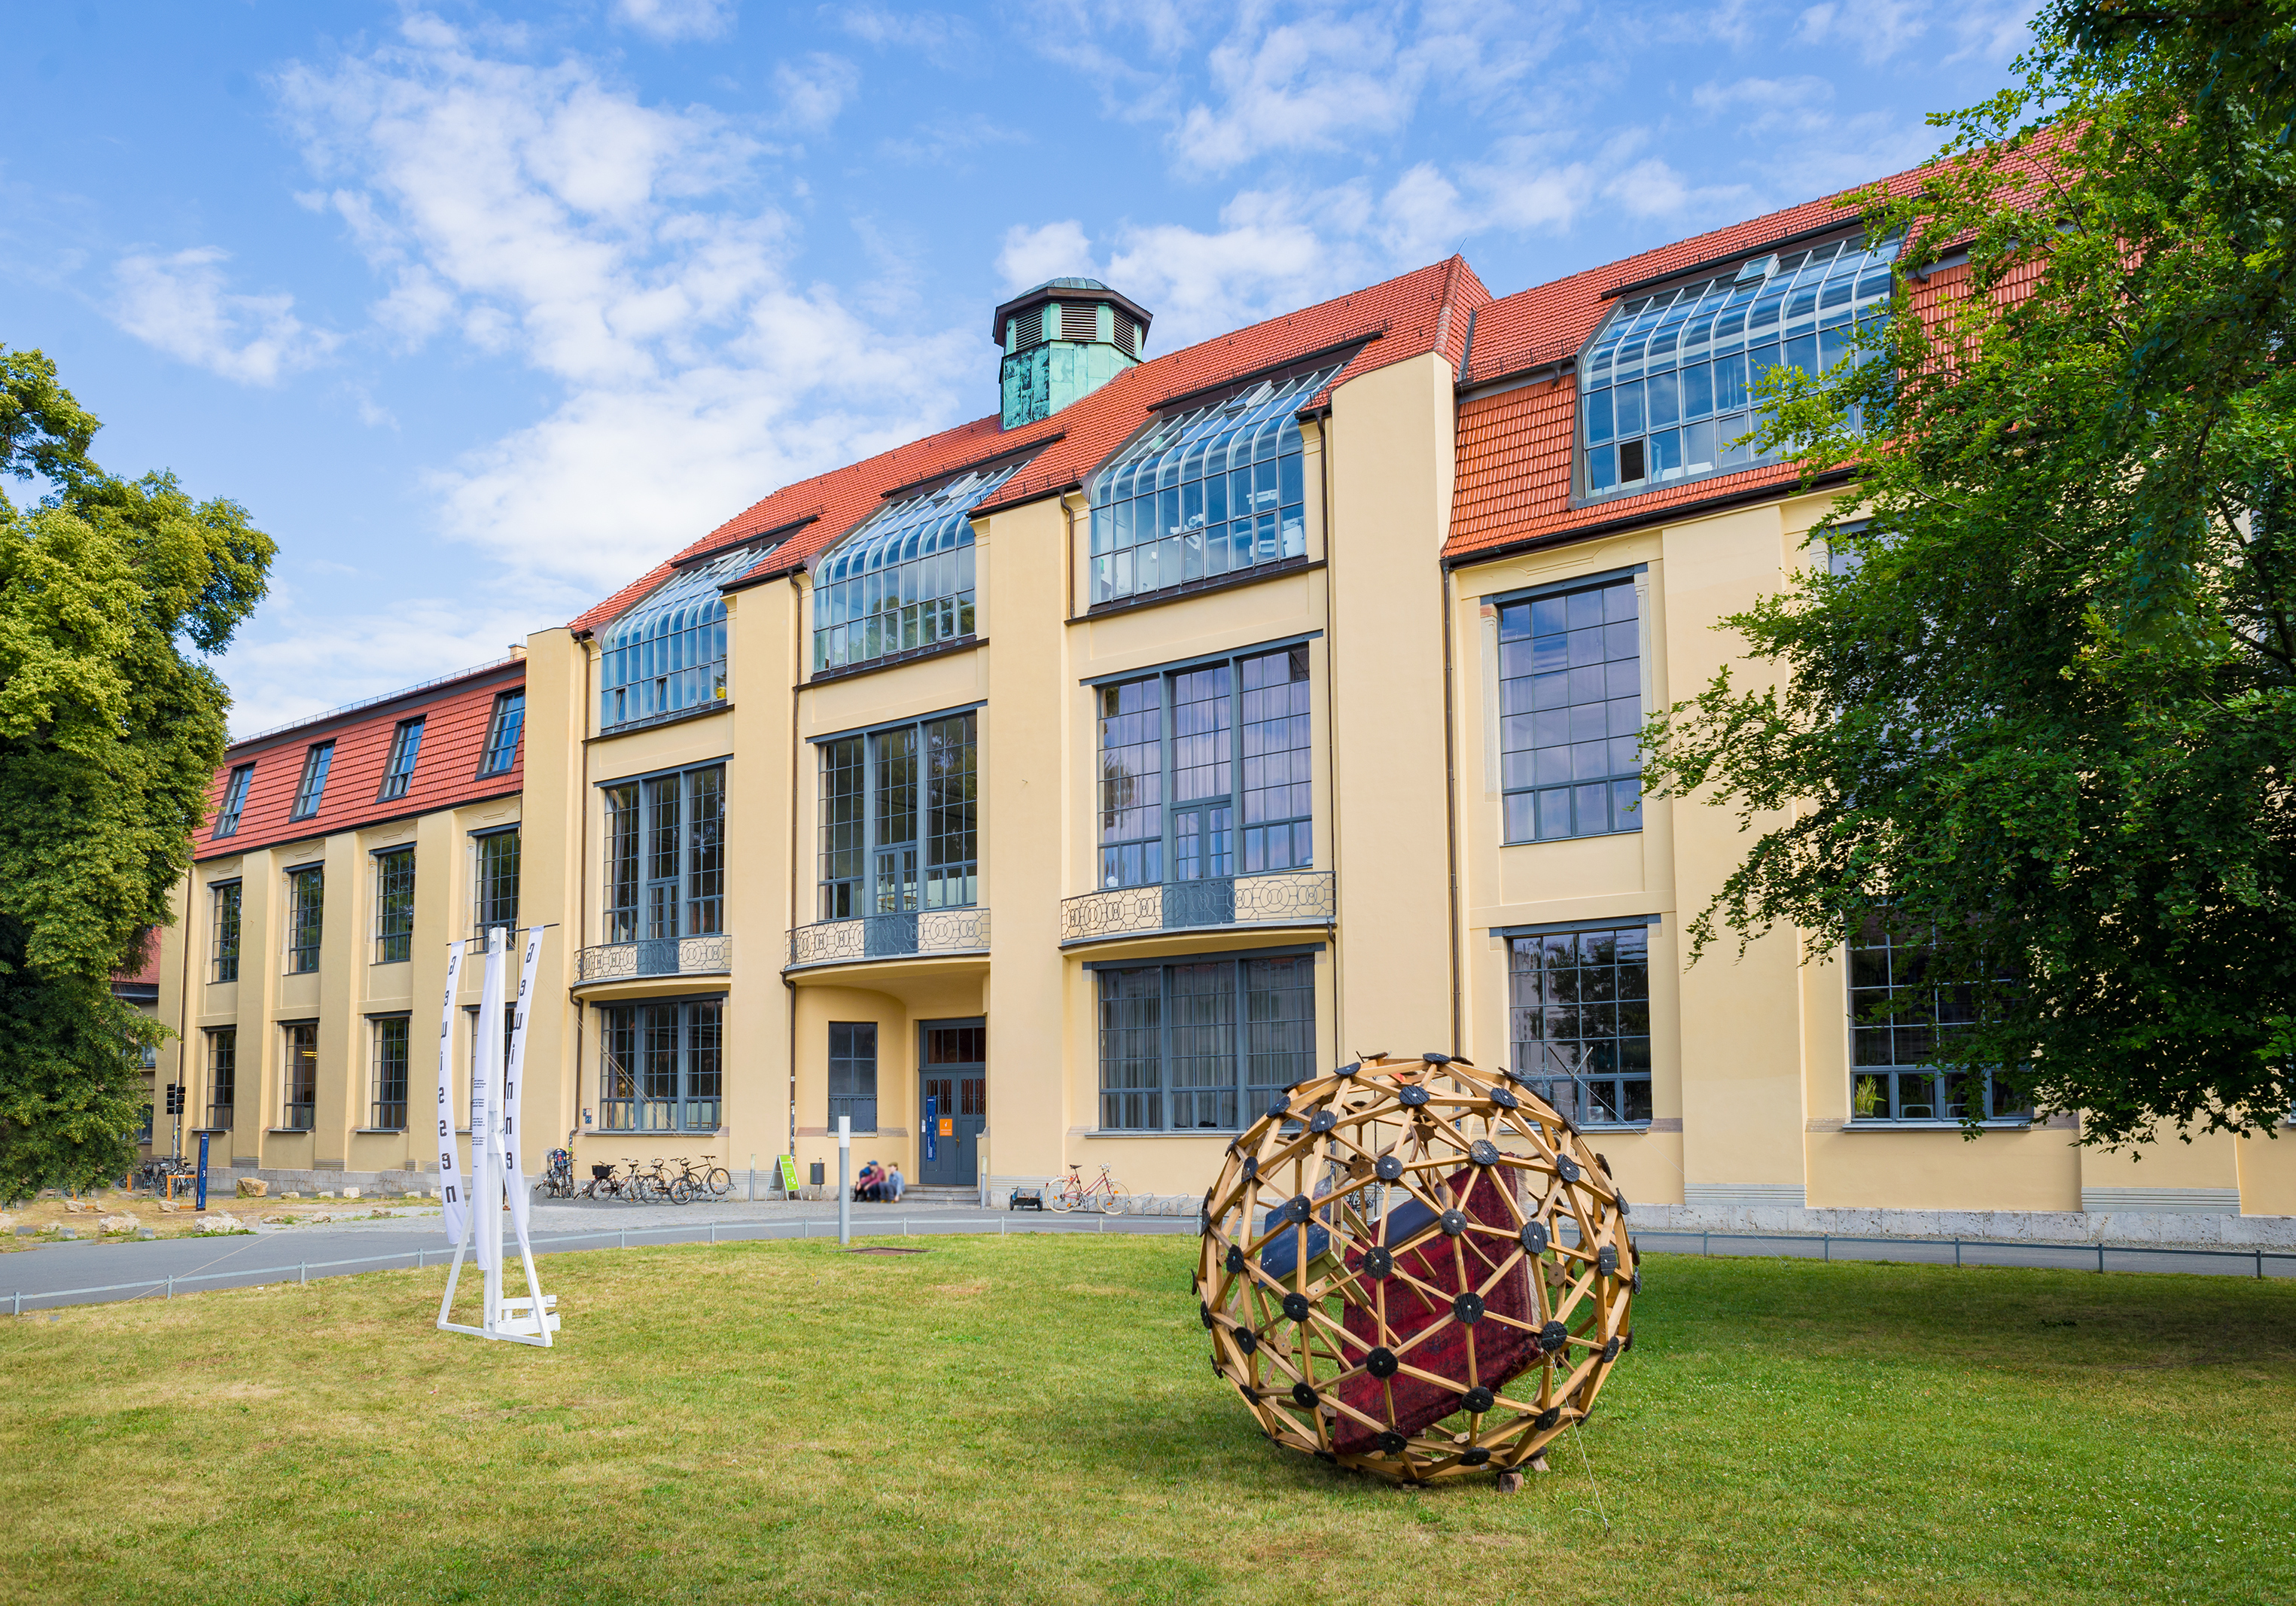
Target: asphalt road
{"x": 92, "y": 1271}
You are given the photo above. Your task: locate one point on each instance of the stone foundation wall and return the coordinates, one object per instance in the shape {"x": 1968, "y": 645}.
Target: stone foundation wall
{"x": 2169, "y": 1230}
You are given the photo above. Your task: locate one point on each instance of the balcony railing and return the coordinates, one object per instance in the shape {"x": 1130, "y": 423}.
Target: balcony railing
{"x": 921, "y": 934}
{"x": 1283, "y": 898}
{"x": 657, "y": 957}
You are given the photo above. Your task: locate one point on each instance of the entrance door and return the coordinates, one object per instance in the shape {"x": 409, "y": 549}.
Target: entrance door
{"x": 953, "y": 1075}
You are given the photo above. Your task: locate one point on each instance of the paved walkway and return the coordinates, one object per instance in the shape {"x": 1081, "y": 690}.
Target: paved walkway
{"x": 96, "y": 1273}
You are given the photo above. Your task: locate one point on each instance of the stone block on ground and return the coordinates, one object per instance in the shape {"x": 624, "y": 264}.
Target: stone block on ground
{"x": 79, "y": 1206}
{"x": 121, "y": 1224}
{"x": 168, "y": 1207}
{"x": 7, "y": 1221}
{"x": 216, "y": 1221}
{"x": 253, "y": 1187}
{"x": 350, "y": 1192}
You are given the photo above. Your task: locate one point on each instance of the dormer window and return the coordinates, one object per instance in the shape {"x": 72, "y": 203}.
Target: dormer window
{"x": 1219, "y": 489}
{"x": 903, "y": 581}
{"x": 1665, "y": 387}
{"x": 666, "y": 656}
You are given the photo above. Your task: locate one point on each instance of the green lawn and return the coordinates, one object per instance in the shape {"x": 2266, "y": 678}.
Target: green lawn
{"x": 1034, "y": 1419}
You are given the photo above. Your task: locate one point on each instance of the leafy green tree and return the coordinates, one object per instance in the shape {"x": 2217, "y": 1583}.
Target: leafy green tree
{"x": 2040, "y": 711}
{"x": 110, "y": 728}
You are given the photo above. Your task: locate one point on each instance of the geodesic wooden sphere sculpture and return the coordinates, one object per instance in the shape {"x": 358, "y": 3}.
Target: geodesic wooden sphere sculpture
{"x": 1412, "y": 1267}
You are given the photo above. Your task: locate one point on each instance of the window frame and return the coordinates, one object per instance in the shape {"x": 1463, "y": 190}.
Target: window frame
{"x": 306, "y": 921}
{"x": 398, "y": 766}
{"x": 1233, "y": 840}
{"x": 1541, "y": 1081}
{"x": 850, "y": 1063}
{"x": 863, "y": 889}
{"x": 1529, "y": 598}
{"x": 1628, "y": 319}
{"x": 486, "y": 902}
{"x": 912, "y": 538}
{"x": 689, "y": 1050}
{"x": 304, "y": 1069}
{"x": 233, "y": 801}
{"x": 622, "y": 922}
{"x": 382, "y": 1076}
{"x": 1890, "y": 1079}
{"x": 1288, "y": 1064}
{"x": 311, "y": 789}
{"x": 394, "y": 941}
{"x": 222, "y": 931}
{"x": 223, "y": 1077}
{"x": 661, "y": 653}
{"x": 507, "y": 717}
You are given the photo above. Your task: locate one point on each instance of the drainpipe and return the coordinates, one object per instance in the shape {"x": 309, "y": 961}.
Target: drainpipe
{"x": 1451, "y": 804}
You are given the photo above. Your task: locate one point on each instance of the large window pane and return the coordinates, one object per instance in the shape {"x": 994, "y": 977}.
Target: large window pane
{"x": 1578, "y": 1009}
{"x": 495, "y": 881}
{"x": 300, "y": 1093}
{"x": 1569, "y": 713}
{"x": 226, "y": 931}
{"x": 899, "y": 821}
{"x": 661, "y": 1066}
{"x": 843, "y": 828}
{"x": 666, "y": 656}
{"x": 1132, "y": 784}
{"x": 1900, "y": 1024}
{"x": 394, "y": 906}
{"x": 853, "y": 1074}
{"x": 388, "y": 1106}
{"x": 903, "y": 581}
{"x": 622, "y": 880}
{"x": 307, "y": 897}
{"x": 1204, "y": 1045}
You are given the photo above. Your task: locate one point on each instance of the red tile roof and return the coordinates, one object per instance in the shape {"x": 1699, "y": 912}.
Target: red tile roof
{"x": 1514, "y": 469}
{"x": 1400, "y": 319}
{"x": 455, "y": 716}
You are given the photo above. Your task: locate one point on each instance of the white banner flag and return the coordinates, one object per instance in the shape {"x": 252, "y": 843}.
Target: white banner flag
{"x": 454, "y": 1187}
{"x": 486, "y": 1110}
{"x": 514, "y": 1080}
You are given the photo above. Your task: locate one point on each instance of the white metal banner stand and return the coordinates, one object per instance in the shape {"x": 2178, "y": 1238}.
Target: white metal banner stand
{"x": 494, "y": 1177}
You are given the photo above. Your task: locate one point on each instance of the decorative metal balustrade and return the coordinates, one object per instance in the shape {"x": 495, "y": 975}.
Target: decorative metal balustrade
{"x": 920, "y": 934}
{"x": 1283, "y": 897}
{"x": 657, "y": 957}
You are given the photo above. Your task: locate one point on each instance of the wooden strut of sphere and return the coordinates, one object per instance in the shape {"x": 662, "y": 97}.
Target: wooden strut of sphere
{"x": 1413, "y": 1268}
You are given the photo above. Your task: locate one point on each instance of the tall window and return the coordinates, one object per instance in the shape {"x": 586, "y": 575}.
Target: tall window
{"x": 1168, "y": 787}
{"x": 1665, "y": 387}
{"x": 1580, "y": 1018}
{"x": 666, "y": 857}
{"x": 393, "y": 905}
{"x": 494, "y": 882}
{"x": 853, "y": 1073}
{"x": 223, "y": 1077}
{"x": 900, "y": 820}
{"x": 307, "y": 897}
{"x": 904, "y": 579}
{"x": 1899, "y": 1022}
{"x": 509, "y": 1029}
{"x": 504, "y": 728}
{"x": 1203, "y": 1045}
{"x": 300, "y": 1102}
{"x": 661, "y": 1066}
{"x": 668, "y": 655}
{"x": 1216, "y": 490}
{"x": 234, "y": 800}
{"x": 398, "y": 768}
{"x": 313, "y": 786}
{"x": 388, "y": 1112}
{"x": 1571, "y": 708}
{"x": 227, "y": 931}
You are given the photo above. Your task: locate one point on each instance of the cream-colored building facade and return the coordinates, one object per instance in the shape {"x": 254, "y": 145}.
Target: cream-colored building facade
{"x": 988, "y": 795}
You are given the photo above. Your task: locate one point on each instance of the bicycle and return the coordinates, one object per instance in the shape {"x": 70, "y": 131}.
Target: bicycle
{"x": 162, "y": 1175}
{"x": 557, "y": 1179}
{"x": 707, "y": 1178}
{"x": 657, "y": 1183}
{"x": 1104, "y": 1194}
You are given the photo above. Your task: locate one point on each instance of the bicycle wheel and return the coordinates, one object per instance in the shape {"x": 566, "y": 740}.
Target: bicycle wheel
{"x": 680, "y": 1192}
{"x": 721, "y": 1180}
{"x": 1062, "y": 1194}
{"x": 1116, "y": 1201}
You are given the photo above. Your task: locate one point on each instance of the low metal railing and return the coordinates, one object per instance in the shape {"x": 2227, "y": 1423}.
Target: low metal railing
{"x": 1280, "y": 898}
{"x": 711, "y": 955}
{"x": 918, "y": 933}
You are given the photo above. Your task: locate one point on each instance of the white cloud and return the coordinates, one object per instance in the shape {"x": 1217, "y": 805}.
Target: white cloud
{"x": 671, "y": 20}
{"x": 180, "y": 303}
{"x": 1299, "y": 86}
{"x": 1877, "y": 30}
{"x": 942, "y": 38}
{"x": 811, "y": 93}
{"x": 1052, "y": 251}
{"x": 547, "y": 213}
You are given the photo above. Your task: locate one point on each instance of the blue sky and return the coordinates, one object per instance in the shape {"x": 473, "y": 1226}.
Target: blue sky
{"x": 482, "y": 310}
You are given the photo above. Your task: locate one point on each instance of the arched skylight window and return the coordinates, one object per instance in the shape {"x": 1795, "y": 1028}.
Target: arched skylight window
{"x": 904, "y": 579}
{"x": 1664, "y": 388}
{"x": 667, "y": 654}
{"x": 1204, "y": 493}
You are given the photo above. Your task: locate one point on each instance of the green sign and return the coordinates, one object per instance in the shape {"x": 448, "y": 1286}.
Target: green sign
{"x": 789, "y": 1173}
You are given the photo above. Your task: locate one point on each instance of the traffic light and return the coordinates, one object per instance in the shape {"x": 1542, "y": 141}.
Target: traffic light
{"x": 175, "y": 1098}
